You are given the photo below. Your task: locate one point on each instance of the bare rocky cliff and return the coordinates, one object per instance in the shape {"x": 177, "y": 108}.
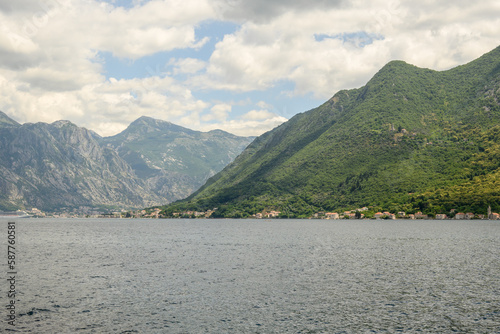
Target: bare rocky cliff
{"x": 51, "y": 166}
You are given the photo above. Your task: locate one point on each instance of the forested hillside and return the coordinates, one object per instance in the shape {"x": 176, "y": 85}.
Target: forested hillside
{"x": 410, "y": 139}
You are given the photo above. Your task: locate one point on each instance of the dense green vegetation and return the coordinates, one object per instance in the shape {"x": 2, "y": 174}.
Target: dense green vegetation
{"x": 412, "y": 139}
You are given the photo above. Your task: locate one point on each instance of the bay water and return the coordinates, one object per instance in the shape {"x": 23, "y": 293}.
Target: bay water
{"x": 254, "y": 276}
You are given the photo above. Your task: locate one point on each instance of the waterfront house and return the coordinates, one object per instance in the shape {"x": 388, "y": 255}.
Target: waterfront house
{"x": 332, "y": 215}
{"x": 318, "y": 215}
{"x": 273, "y": 214}
{"x": 441, "y": 216}
{"x": 460, "y": 215}
{"x": 420, "y": 215}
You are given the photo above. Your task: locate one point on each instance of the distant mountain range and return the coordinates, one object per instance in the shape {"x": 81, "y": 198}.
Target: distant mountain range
{"x": 152, "y": 162}
{"x": 411, "y": 139}
{"x": 174, "y": 161}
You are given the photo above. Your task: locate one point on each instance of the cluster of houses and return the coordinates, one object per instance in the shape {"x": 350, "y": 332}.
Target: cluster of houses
{"x": 270, "y": 214}
{"x": 196, "y": 214}
{"x": 356, "y": 214}
{"x": 403, "y": 215}
{"x": 360, "y": 213}
{"x": 34, "y": 212}
{"x": 81, "y": 212}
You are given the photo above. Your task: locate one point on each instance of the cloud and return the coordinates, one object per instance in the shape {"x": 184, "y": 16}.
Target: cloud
{"x": 128, "y": 33}
{"x": 264, "y": 10}
{"x": 27, "y": 6}
{"x": 156, "y": 26}
{"x": 63, "y": 79}
{"x": 264, "y": 105}
{"x": 256, "y": 115}
{"x": 324, "y": 48}
{"x": 218, "y": 112}
{"x": 50, "y": 66}
{"x": 106, "y": 107}
{"x": 251, "y": 123}
{"x": 259, "y": 56}
{"x": 245, "y": 127}
{"x": 187, "y": 65}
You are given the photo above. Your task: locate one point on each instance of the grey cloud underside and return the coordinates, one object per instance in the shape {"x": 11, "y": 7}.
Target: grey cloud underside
{"x": 18, "y": 61}
{"x": 264, "y": 10}
{"x": 52, "y": 84}
{"x": 9, "y": 6}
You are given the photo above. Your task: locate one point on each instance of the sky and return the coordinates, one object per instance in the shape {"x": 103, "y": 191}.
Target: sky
{"x": 241, "y": 66}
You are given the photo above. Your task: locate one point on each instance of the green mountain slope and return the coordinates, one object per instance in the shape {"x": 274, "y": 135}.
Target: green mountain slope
{"x": 410, "y": 139}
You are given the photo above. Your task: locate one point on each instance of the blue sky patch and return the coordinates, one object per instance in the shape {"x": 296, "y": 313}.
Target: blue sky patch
{"x": 280, "y": 103}
{"x": 121, "y": 3}
{"x": 360, "y": 38}
{"x": 156, "y": 64}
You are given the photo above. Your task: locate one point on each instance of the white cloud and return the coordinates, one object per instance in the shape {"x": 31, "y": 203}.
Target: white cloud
{"x": 81, "y": 27}
{"x": 50, "y": 70}
{"x": 256, "y": 115}
{"x": 264, "y": 105}
{"x": 104, "y": 107}
{"x": 267, "y": 51}
{"x": 245, "y": 127}
{"x": 218, "y": 112}
{"x": 261, "y": 55}
{"x": 156, "y": 26}
{"x": 187, "y": 65}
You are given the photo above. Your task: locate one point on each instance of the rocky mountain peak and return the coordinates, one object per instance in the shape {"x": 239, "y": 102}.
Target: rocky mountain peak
{"x": 62, "y": 123}
{"x": 6, "y": 121}
{"x": 63, "y": 165}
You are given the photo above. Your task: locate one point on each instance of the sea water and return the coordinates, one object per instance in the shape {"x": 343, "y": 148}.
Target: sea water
{"x": 255, "y": 276}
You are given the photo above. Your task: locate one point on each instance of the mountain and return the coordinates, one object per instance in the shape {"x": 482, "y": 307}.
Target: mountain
{"x": 172, "y": 160}
{"x": 56, "y": 165}
{"x": 410, "y": 139}
{"x": 7, "y": 122}
{"x": 51, "y": 166}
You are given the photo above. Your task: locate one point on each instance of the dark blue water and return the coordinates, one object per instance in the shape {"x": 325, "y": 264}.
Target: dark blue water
{"x": 256, "y": 276}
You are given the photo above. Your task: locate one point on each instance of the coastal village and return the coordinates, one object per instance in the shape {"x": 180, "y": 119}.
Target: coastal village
{"x": 156, "y": 213}
{"x": 352, "y": 214}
